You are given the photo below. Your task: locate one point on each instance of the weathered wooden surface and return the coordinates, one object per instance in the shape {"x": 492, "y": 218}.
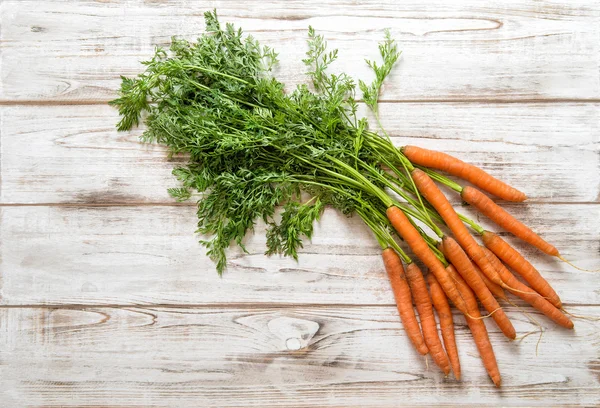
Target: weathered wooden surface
{"x": 75, "y": 50}
{"x": 106, "y": 298}
{"x": 299, "y": 356}
{"x": 148, "y": 254}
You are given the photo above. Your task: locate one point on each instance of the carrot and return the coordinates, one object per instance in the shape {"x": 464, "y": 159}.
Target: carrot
{"x": 456, "y": 167}
{"x": 497, "y": 214}
{"x": 420, "y": 248}
{"x": 463, "y": 265}
{"x": 496, "y": 290}
{"x": 419, "y": 291}
{"x": 395, "y": 271}
{"x": 477, "y": 326}
{"x": 442, "y": 307}
{"x": 436, "y": 198}
{"x": 519, "y": 264}
{"x": 528, "y": 294}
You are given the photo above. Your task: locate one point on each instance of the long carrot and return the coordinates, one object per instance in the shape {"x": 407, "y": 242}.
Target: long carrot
{"x": 438, "y": 200}
{"x": 528, "y": 294}
{"x": 395, "y": 271}
{"x": 496, "y": 290}
{"x": 519, "y": 264}
{"x": 478, "y": 329}
{"x": 420, "y": 248}
{"x": 442, "y": 307}
{"x": 419, "y": 291}
{"x": 456, "y": 167}
{"x": 463, "y": 265}
{"x": 497, "y": 214}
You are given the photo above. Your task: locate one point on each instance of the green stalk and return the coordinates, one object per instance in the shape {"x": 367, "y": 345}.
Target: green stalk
{"x": 423, "y": 216}
{"x": 442, "y": 179}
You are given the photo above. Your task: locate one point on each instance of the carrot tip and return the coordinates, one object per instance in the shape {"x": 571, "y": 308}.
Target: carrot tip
{"x": 575, "y": 266}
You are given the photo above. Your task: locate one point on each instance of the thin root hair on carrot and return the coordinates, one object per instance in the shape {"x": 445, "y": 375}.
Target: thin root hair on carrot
{"x": 582, "y": 317}
{"x": 575, "y": 266}
{"x": 535, "y": 322}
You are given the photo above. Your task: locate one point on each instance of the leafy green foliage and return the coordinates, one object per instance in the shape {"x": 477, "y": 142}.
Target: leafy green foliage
{"x": 297, "y": 220}
{"x": 389, "y": 54}
{"x": 251, "y": 145}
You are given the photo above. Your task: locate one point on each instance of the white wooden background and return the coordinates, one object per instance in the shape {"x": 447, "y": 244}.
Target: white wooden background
{"x": 106, "y": 299}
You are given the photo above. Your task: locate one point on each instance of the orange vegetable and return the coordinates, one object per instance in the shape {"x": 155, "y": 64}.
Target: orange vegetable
{"x": 456, "y": 167}
{"x": 497, "y": 214}
{"x": 420, "y": 248}
{"x": 419, "y": 291}
{"x": 442, "y": 307}
{"x": 528, "y": 294}
{"x": 478, "y": 329}
{"x": 438, "y": 200}
{"x": 515, "y": 260}
{"x": 395, "y": 271}
{"x": 463, "y": 265}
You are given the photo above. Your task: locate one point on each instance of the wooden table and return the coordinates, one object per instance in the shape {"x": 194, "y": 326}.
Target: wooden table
{"x": 108, "y": 300}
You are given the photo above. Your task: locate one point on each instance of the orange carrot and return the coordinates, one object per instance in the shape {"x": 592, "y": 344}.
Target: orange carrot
{"x": 442, "y": 307}
{"x": 497, "y": 214}
{"x": 463, "y": 265}
{"x": 420, "y": 248}
{"x": 478, "y": 329}
{"x": 456, "y": 167}
{"x": 438, "y": 200}
{"x": 395, "y": 271}
{"x": 496, "y": 290}
{"x": 419, "y": 291}
{"x": 528, "y": 294}
{"x": 515, "y": 260}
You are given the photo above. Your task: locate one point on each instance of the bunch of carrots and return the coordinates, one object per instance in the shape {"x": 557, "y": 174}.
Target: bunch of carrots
{"x": 473, "y": 272}
{"x": 253, "y": 147}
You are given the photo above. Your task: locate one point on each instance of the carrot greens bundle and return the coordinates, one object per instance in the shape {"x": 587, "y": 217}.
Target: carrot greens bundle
{"x": 254, "y": 147}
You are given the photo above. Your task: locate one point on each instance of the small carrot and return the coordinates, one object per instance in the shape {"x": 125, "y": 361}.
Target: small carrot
{"x": 438, "y": 200}
{"x": 420, "y": 248}
{"x": 519, "y": 264}
{"x": 456, "y": 167}
{"x": 419, "y": 291}
{"x": 463, "y": 265}
{"x": 395, "y": 271}
{"x": 497, "y": 214}
{"x": 442, "y": 307}
{"x": 478, "y": 329}
{"x": 528, "y": 294}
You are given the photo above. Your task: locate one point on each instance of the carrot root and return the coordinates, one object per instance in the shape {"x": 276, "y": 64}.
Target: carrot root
{"x": 401, "y": 289}
{"x": 420, "y": 293}
{"x": 475, "y": 175}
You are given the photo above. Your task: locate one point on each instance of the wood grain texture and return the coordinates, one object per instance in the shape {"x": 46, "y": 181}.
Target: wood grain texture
{"x": 107, "y": 299}
{"x": 148, "y": 254}
{"x": 285, "y": 357}
{"x": 501, "y": 50}
{"x": 73, "y": 154}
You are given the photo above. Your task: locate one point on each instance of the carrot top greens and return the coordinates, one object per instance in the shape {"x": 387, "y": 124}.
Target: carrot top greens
{"x": 251, "y": 145}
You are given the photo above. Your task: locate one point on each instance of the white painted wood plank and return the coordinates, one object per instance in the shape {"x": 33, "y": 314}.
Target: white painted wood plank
{"x": 149, "y": 255}
{"x": 75, "y": 50}
{"x": 288, "y": 357}
{"x": 73, "y": 154}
